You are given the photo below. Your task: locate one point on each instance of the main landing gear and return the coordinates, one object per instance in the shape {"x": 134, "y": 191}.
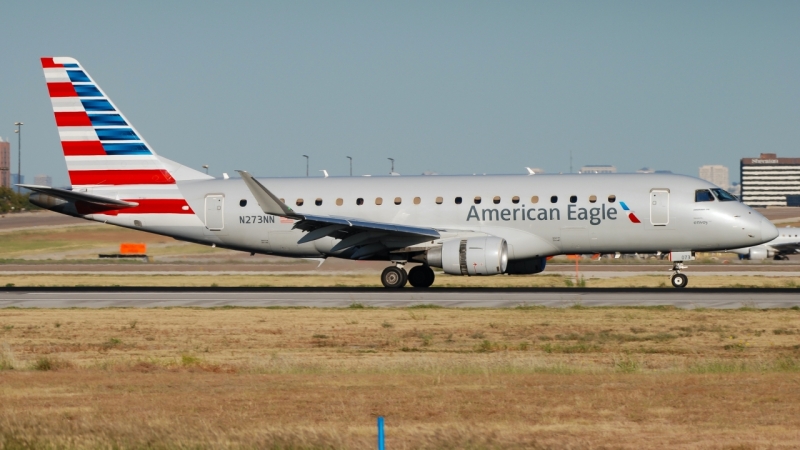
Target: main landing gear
{"x": 679, "y": 280}
{"x": 395, "y": 277}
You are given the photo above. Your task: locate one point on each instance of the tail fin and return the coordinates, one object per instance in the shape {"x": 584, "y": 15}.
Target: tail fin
{"x": 100, "y": 145}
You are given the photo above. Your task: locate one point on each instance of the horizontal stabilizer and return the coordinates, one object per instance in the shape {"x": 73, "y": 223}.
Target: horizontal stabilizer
{"x": 73, "y": 196}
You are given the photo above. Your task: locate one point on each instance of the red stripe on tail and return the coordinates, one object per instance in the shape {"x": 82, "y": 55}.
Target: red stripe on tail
{"x": 61, "y": 90}
{"x": 83, "y": 148}
{"x": 73, "y": 119}
{"x": 118, "y": 177}
{"x": 47, "y": 63}
{"x": 146, "y": 206}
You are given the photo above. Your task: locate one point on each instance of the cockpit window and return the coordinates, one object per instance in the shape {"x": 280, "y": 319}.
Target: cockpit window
{"x": 703, "y": 195}
{"x": 724, "y": 196}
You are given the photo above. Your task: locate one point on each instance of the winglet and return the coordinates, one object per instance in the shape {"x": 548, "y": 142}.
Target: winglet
{"x": 266, "y": 199}
{"x": 530, "y": 171}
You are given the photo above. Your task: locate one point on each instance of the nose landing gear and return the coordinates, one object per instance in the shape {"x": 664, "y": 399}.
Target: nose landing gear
{"x": 679, "y": 280}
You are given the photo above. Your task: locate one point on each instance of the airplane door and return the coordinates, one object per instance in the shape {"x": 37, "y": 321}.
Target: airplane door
{"x": 214, "y": 212}
{"x": 659, "y": 207}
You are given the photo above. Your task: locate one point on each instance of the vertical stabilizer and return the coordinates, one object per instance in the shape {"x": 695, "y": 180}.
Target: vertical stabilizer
{"x": 100, "y": 145}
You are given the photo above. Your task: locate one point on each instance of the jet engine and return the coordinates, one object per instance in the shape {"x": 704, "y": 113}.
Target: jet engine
{"x": 486, "y": 255}
{"x": 757, "y": 253}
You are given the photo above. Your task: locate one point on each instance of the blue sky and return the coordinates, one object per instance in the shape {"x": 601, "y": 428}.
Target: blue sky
{"x": 450, "y": 87}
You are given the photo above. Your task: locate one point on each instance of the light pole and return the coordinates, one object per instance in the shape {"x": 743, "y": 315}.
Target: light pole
{"x": 306, "y": 157}
{"x": 392, "y": 160}
{"x": 351, "y": 165}
{"x": 19, "y": 153}
{"x": 205, "y": 166}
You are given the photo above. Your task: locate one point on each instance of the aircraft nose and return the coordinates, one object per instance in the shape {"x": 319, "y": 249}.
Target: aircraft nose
{"x": 768, "y": 230}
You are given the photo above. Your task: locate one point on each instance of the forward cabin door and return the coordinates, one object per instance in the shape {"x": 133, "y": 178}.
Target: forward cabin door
{"x": 214, "y": 212}
{"x": 659, "y": 207}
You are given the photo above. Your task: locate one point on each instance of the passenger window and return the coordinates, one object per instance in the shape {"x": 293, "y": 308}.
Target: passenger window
{"x": 378, "y": 201}
{"x": 299, "y": 202}
{"x": 417, "y": 200}
{"x": 359, "y": 201}
{"x": 724, "y": 196}
{"x": 612, "y": 198}
{"x": 478, "y": 200}
{"x": 703, "y": 195}
{"x": 283, "y": 201}
{"x": 339, "y": 202}
{"x": 554, "y": 199}
{"x": 573, "y": 198}
{"x": 439, "y": 200}
{"x": 535, "y": 199}
{"x": 398, "y": 200}
{"x": 592, "y": 198}
{"x": 458, "y": 200}
{"x": 515, "y": 199}
{"x": 242, "y": 202}
{"x": 496, "y": 200}
{"x": 318, "y": 202}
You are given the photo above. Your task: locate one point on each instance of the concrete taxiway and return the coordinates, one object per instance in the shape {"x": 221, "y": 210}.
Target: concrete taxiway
{"x": 345, "y": 297}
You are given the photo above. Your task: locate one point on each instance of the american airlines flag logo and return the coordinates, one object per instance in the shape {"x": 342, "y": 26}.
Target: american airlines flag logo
{"x": 631, "y": 215}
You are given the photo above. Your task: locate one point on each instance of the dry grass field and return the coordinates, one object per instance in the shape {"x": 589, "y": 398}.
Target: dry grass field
{"x": 528, "y": 377}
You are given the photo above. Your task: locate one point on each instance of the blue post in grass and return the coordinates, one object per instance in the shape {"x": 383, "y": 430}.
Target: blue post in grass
{"x": 381, "y": 442}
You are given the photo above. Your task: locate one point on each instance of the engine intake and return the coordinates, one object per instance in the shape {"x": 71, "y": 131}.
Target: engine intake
{"x": 474, "y": 256}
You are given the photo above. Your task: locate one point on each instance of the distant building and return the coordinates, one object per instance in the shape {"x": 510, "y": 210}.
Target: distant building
{"x": 43, "y": 180}
{"x": 16, "y": 179}
{"x": 5, "y": 163}
{"x": 768, "y": 180}
{"x": 602, "y": 168}
{"x": 717, "y": 175}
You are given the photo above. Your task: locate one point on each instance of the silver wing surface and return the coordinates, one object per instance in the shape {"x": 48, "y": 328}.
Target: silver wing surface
{"x": 370, "y": 237}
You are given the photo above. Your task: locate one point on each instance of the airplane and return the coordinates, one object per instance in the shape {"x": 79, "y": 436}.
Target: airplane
{"x": 465, "y": 225}
{"x": 787, "y": 243}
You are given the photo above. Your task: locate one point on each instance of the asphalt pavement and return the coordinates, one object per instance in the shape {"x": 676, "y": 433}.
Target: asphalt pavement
{"x": 345, "y": 297}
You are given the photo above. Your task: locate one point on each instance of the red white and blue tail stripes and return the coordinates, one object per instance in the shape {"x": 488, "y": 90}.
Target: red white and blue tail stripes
{"x": 92, "y": 129}
{"x": 104, "y": 152}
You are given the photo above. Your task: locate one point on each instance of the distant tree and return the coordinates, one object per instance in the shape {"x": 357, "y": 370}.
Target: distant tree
{"x": 10, "y": 201}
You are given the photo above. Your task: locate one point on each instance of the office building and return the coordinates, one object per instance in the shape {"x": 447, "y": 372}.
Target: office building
{"x": 43, "y": 180}
{"x": 602, "y": 168}
{"x": 716, "y": 174}
{"x": 5, "y": 163}
{"x": 16, "y": 179}
{"x": 768, "y": 179}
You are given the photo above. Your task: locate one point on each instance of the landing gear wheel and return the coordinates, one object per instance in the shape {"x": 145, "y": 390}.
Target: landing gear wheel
{"x": 421, "y": 276}
{"x": 394, "y": 277}
{"x": 679, "y": 280}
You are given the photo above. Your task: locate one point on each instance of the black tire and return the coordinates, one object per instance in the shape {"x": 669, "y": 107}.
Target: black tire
{"x": 394, "y": 277}
{"x": 679, "y": 281}
{"x": 421, "y": 276}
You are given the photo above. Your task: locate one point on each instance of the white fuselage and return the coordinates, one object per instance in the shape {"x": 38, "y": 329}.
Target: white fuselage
{"x": 543, "y": 221}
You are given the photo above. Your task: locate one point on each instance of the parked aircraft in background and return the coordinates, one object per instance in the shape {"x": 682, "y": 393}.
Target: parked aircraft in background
{"x": 466, "y": 225}
{"x": 787, "y": 243}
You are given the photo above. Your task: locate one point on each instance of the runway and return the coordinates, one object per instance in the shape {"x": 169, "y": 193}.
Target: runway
{"x": 345, "y": 297}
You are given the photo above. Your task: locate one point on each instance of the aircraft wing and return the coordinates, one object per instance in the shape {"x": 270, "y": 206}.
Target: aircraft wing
{"x": 75, "y": 196}
{"x": 786, "y": 247}
{"x": 351, "y": 231}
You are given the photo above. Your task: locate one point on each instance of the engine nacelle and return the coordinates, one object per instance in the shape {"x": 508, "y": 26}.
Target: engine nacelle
{"x": 757, "y": 253}
{"x": 474, "y": 256}
{"x": 526, "y": 266}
